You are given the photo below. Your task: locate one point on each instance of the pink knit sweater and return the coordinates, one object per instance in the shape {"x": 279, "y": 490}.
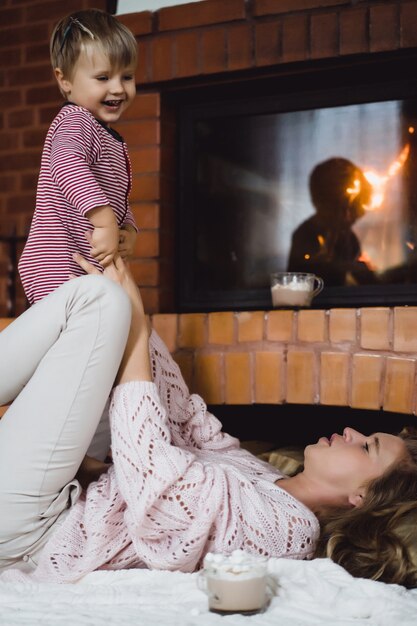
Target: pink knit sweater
{"x": 179, "y": 488}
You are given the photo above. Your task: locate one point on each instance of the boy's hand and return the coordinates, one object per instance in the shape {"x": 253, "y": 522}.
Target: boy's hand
{"x": 127, "y": 240}
{"x": 104, "y": 242}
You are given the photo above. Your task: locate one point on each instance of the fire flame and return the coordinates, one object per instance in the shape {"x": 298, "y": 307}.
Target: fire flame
{"x": 355, "y": 190}
{"x": 379, "y": 182}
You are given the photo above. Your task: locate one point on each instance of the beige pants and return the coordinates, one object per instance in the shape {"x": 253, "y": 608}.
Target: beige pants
{"x": 58, "y": 362}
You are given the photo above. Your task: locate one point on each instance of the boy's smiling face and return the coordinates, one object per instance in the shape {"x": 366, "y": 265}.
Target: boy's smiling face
{"x": 104, "y": 90}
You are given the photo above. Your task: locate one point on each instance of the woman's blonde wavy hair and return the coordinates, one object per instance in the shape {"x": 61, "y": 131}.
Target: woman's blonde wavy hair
{"x": 379, "y": 539}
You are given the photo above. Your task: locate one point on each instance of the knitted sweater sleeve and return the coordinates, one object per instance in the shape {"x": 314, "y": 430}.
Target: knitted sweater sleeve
{"x": 190, "y": 423}
{"x": 182, "y": 503}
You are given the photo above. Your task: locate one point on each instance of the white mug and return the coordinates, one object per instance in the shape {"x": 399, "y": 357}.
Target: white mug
{"x": 294, "y": 289}
{"x": 245, "y": 593}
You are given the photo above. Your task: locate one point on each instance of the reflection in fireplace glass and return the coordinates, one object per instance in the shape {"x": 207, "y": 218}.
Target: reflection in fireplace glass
{"x": 328, "y": 190}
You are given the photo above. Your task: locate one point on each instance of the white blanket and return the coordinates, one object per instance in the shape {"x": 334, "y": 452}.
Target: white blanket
{"x": 308, "y": 593}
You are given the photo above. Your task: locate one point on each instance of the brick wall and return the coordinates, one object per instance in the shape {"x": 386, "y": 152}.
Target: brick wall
{"x": 180, "y": 43}
{"x": 364, "y": 358}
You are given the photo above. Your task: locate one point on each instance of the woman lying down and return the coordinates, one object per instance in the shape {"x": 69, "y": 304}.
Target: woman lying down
{"x": 179, "y": 487}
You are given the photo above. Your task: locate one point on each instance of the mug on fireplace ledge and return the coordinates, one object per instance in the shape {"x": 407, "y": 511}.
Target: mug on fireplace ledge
{"x": 294, "y": 289}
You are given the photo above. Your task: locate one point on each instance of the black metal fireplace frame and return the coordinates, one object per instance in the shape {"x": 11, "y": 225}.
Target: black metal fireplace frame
{"x": 349, "y": 81}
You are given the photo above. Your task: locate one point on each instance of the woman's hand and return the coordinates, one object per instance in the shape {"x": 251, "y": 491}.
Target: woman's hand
{"x": 119, "y": 272}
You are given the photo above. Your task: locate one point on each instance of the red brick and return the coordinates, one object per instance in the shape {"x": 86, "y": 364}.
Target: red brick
{"x": 239, "y": 47}
{"x": 47, "y": 114}
{"x": 354, "y": 31}
{"x": 192, "y": 330}
{"x": 11, "y": 57}
{"x": 324, "y": 35}
{"x": 37, "y": 52}
{"x": 166, "y": 325}
{"x": 145, "y": 160}
{"x": 187, "y": 54}
{"x": 10, "y": 98}
{"x": 408, "y": 28}
{"x": 162, "y": 58}
{"x": 36, "y": 12}
{"x": 200, "y": 14}
{"x": 145, "y": 105}
{"x": 295, "y": 38}
{"x": 10, "y": 17}
{"x": 150, "y": 297}
{"x": 47, "y": 94}
{"x": 213, "y": 51}
{"x": 30, "y": 75}
{"x": 268, "y": 7}
{"x": 9, "y": 141}
{"x": 7, "y": 183}
{"x": 145, "y": 188}
{"x": 139, "y": 23}
{"x": 143, "y": 70}
{"x": 23, "y": 35}
{"x": 28, "y": 182}
{"x": 34, "y": 138}
{"x": 20, "y": 203}
{"x": 95, "y": 4}
{"x": 147, "y": 244}
{"x": 23, "y": 160}
{"x": 384, "y": 26}
{"x": 268, "y": 43}
{"x": 146, "y": 215}
{"x": 142, "y": 133}
{"x": 145, "y": 272}
{"x": 20, "y": 118}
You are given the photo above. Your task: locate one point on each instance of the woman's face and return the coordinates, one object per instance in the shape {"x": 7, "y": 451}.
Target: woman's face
{"x": 345, "y": 463}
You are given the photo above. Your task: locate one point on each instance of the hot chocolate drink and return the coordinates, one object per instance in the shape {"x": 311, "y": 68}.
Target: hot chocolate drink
{"x": 291, "y": 295}
{"x": 236, "y": 583}
{"x": 294, "y": 289}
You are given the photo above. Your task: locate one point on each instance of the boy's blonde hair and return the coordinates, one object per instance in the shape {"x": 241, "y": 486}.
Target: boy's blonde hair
{"x": 79, "y": 29}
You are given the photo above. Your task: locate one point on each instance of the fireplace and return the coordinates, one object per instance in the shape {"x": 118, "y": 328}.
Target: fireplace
{"x": 311, "y": 170}
{"x": 218, "y": 48}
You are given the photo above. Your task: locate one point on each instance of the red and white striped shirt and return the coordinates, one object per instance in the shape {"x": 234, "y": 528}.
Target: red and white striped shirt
{"x": 84, "y": 165}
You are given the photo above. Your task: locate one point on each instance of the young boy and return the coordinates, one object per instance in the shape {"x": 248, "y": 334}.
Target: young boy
{"x": 85, "y": 176}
